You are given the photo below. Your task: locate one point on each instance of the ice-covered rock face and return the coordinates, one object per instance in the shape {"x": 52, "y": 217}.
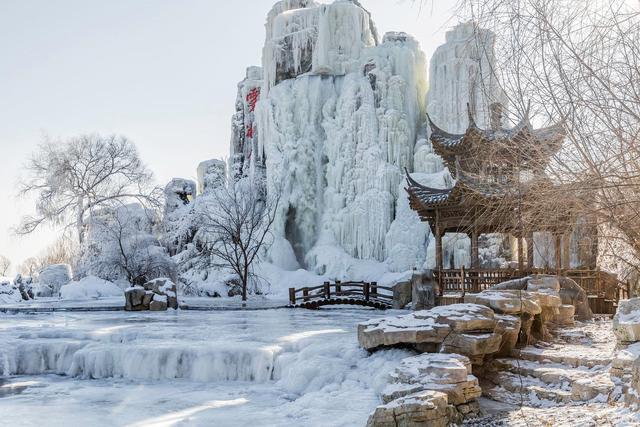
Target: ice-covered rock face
{"x": 336, "y": 145}
{"x": 246, "y": 159}
{"x": 211, "y": 175}
{"x": 462, "y": 72}
{"x": 177, "y": 193}
{"x": 305, "y": 37}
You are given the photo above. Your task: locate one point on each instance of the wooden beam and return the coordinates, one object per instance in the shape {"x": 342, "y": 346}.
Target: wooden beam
{"x": 530, "y": 250}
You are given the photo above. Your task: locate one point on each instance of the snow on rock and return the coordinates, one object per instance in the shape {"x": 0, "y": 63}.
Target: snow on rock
{"x": 89, "y": 287}
{"x": 428, "y": 373}
{"x": 9, "y": 292}
{"x": 303, "y": 36}
{"x": 466, "y": 329}
{"x": 52, "y": 278}
{"x": 626, "y": 322}
{"x": 246, "y": 158}
{"x": 212, "y": 174}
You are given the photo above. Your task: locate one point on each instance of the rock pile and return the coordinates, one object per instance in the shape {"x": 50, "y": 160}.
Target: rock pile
{"x": 625, "y": 366}
{"x": 467, "y": 329}
{"x": 430, "y": 389}
{"x": 156, "y": 295}
{"x": 626, "y": 322}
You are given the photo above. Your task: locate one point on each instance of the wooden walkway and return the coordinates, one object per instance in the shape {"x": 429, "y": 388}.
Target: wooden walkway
{"x": 353, "y": 293}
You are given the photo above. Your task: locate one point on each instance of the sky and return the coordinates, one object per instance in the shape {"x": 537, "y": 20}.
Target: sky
{"x": 164, "y": 73}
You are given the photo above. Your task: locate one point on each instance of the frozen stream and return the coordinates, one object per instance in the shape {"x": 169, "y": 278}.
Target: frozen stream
{"x": 232, "y": 368}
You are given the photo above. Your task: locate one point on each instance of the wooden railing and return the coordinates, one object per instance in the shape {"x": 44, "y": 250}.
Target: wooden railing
{"x": 603, "y": 288}
{"x": 342, "y": 291}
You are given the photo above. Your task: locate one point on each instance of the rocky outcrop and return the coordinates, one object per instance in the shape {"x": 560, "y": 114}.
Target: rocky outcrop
{"x": 427, "y": 409}
{"x": 428, "y": 390}
{"x": 467, "y": 329}
{"x": 626, "y": 322}
{"x": 156, "y": 295}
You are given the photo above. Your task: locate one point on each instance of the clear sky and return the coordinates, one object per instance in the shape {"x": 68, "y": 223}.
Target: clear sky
{"x": 161, "y": 72}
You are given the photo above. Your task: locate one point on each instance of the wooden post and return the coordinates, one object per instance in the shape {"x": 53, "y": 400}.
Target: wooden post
{"x": 305, "y": 294}
{"x": 292, "y": 296}
{"x": 566, "y": 251}
{"x": 366, "y": 291}
{"x": 327, "y": 290}
{"x": 558, "y": 250}
{"x": 475, "y": 261}
{"x": 338, "y": 288}
{"x": 374, "y": 289}
{"x": 462, "y": 279}
{"x": 530, "y": 250}
{"x": 438, "y": 250}
{"x": 521, "y": 254}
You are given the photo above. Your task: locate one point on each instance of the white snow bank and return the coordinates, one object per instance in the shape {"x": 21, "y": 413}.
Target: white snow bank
{"x": 90, "y": 287}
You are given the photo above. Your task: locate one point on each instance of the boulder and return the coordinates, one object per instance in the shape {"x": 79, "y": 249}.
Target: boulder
{"x": 626, "y": 322}
{"x": 508, "y": 327}
{"x": 572, "y": 294}
{"x": 565, "y": 316}
{"x": 467, "y": 329}
{"x": 134, "y": 298}
{"x": 159, "y": 303}
{"x": 423, "y": 409}
{"x": 423, "y": 291}
{"x": 401, "y": 294}
{"x": 507, "y": 301}
{"x": 448, "y": 374}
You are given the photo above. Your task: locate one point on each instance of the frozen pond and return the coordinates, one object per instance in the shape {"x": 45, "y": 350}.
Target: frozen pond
{"x": 233, "y": 368}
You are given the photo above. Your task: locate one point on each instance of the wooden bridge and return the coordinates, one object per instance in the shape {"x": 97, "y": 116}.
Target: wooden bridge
{"x": 355, "y": 293}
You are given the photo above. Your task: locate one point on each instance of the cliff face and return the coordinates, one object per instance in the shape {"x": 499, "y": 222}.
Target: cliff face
{"x": 332, "y": 120}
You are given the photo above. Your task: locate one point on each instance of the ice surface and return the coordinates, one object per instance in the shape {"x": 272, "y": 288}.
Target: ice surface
{"x": 276, "y": 368}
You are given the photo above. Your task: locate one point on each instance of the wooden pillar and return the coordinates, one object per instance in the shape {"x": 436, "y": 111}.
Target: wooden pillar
{"x": 520, "y": 254}
{"x": 558, "y": 251}
{"x": 566, "y": 251}
{"x": 438, "y": 248}
{"x": 475, "y": 261}
{"x": 530, "y": 250}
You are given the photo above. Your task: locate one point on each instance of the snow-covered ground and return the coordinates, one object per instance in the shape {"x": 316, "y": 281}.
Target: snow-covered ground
{"x": 231, "y": 368}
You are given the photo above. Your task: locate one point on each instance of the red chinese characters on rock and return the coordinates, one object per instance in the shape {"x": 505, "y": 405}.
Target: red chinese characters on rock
{"x": 250, "y": 132}
{"x": 252, "y": 98}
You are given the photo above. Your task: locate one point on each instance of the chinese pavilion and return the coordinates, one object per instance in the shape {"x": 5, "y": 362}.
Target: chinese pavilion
{"x": 500, "y": 187}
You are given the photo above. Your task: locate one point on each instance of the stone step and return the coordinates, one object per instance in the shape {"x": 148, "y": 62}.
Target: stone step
{"x": 563, "y": 355}
{"x": 548, "y": 373}
{"x": 581, "y": 384}
{"x": 507, "y": 387}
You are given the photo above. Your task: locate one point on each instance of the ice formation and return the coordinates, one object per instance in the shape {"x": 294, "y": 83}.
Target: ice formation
{"x": 212, "y": 174}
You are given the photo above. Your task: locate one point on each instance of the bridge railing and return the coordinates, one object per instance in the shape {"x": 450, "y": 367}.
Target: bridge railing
{"x": 367, "y": 291}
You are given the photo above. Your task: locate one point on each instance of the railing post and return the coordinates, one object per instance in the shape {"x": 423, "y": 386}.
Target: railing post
{"x": 292, "y": 296}
{"x": 374, "y": 289}
{"x": 305, "y": 294}
{"x": 327, "y": 290}
{"x": 462, "y": 279}
{"x": 366, "y": 291}
{"x": 338, "y": 288}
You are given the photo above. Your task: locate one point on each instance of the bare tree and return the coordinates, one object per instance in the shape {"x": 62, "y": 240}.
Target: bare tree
{"x": 73, "y": 178}
{"x": 579, "y": 60}
{"x": 235, "y": 226}
{"x": 5, "y": 265}
{"x": 121, "y": 245}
